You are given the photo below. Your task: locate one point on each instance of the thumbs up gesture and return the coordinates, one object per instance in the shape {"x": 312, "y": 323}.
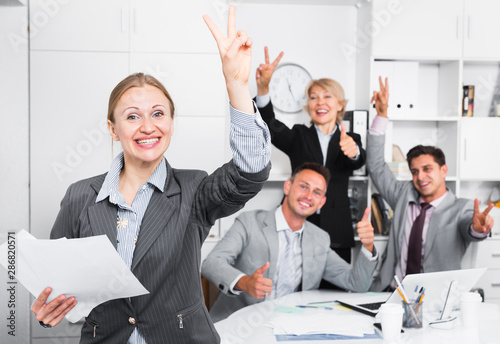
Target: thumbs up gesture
{"x": 347, "y": 143}
{"x": 256, "y": 285}
{"x": 365, "y": 230}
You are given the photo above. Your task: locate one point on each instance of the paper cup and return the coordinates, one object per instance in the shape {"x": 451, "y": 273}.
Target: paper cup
{"x": 469, "y": 309}
{"x": 391, "y": 318}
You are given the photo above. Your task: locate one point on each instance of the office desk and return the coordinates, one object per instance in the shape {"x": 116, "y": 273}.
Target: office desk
{"x": 248, "y": 325}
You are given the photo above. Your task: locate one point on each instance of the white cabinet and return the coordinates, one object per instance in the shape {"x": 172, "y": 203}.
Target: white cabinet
{"x": 417, "y": 29}
{"x": 435, "y": 28}
{"x": 168, "y": 26}
{"x": 125, "y": 25}
{"x": 77, "y": 25}
{"x": 481, "y": 29}
{"x": 488, "y": 255}
{"x": 479, "y": 140}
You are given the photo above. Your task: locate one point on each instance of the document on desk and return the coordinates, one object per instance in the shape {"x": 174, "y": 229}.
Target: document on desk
{"x": 89, "y": 269}
{"x": 322, "y": 322}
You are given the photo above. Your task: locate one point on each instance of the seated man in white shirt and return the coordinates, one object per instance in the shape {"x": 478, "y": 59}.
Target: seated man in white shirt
{"x": 448, "y": 224}
{"x": 269, "y": 254}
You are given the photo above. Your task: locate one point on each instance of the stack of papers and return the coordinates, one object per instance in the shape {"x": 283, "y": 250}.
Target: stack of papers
{"x": 318, "y": 322}
{"x": 90, "y": 269}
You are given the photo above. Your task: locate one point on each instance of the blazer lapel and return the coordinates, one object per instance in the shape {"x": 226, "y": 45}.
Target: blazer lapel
{"x": 436, "y": 221}
{"x": 102, "y": 215}
{"x": 271, "y": 235}
{"x": 308, "y": 244}
{"x": 158, "y": 214}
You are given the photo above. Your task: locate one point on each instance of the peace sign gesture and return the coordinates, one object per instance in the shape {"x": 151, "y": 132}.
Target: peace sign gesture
{"x": 481, "y": 221}
{"x": 265, "y": 72}
{"x": 236, "y": 54}
{"x": 381, "y": 98}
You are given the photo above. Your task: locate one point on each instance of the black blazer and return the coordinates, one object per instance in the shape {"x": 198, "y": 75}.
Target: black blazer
{"x": 167, "y": 255}
{"x": 301, "y": 144}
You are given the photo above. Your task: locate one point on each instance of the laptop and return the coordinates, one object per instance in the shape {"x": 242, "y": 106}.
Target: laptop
{"x": 436, "y": 284}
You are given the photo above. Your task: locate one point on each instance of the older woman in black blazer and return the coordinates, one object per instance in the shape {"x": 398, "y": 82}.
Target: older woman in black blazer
{"x": 325, "y": 142}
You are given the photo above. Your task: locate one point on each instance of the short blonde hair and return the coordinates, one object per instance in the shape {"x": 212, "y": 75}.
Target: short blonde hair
{"x": 332, "y": 87}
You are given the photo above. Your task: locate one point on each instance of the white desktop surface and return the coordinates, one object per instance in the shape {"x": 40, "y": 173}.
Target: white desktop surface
{"x": 248, "y": 325}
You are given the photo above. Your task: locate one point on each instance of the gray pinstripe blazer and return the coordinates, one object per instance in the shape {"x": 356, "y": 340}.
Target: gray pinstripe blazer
{"x": 167, "y": 256}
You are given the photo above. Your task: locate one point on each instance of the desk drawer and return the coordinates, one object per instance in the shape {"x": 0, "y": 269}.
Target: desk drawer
{"x": 488, "y": 254}
{"x": 490, "y": 282}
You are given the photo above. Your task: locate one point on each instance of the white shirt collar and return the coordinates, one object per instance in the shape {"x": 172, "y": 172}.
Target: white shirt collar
{"x": 281, "y": 223}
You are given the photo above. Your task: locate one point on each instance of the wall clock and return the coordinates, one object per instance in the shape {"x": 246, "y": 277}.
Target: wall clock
{"x": 287, "y": 87}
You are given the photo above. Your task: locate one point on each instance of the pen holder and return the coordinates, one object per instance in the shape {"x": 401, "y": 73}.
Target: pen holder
{"x": 412, "y": 316}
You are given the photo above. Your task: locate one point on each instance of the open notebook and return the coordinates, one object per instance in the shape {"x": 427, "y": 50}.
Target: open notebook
{"x": 436, "y": 286}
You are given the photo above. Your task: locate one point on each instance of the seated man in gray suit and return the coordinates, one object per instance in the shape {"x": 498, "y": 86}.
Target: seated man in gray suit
{"x": 268, "y": 254}
{"x": 431, "y": 229}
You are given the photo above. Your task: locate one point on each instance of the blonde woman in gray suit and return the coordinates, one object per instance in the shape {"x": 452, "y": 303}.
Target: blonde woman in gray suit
{"x": 156, "y": 216}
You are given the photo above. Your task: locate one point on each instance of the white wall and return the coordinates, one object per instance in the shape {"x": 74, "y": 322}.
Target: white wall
{"x": 312, "y": 36}
{"x": 14, "y": 158}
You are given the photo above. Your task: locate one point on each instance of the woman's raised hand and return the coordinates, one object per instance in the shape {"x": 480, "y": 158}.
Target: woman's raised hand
{"x": 236, "y": 55}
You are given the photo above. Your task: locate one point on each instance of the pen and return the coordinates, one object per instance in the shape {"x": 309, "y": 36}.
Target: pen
{"x": 312, "y": 303}
{"x": 415, "y": 293}
{"x": 305, "y": 306}
{"x": 402, "y": 296}
{"x": 405, "y": 298}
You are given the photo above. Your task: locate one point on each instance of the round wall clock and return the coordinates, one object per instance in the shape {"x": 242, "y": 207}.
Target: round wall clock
{"x": 287, "y": 87}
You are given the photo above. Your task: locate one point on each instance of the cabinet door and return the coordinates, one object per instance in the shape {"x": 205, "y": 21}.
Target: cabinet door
{"x": 168, "y": 26}
{"x": 195, "y": 81}
{"x": 417, "y": 29}
{"x": 79, "y": 25}
{"x": 481, "y": 29}
{"x": 479, "y": 160}
{"x": 69, "y": 94}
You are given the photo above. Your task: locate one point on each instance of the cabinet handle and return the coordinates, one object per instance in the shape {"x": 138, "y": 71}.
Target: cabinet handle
{"x": 457, "y": 28}
{"x": 468, "y": 26}
{"x": 135, "y": 20}
{"x": 495, "y": 255}
{"x": 495, "y": 284}
{"x": 124, "y": 13}
{"x": 465, "y": 150}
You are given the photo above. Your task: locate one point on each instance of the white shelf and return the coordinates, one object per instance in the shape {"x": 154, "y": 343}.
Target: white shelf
{"x": 425, "y": 119}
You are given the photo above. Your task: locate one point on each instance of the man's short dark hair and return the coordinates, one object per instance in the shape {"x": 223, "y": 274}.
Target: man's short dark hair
{"x": 419, "y": 150}
{"x": 313, "y": 166}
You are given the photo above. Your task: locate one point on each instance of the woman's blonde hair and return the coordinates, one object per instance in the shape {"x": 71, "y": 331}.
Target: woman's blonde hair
{"x": 135, "y": 80}
{"x": 331, "y": 86}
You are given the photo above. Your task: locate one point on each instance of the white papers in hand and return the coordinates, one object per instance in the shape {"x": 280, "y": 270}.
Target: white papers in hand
{"x": 89, "y": 269}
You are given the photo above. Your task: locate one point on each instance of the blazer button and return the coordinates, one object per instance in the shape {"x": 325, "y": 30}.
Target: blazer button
{"x": 132, "y": 320}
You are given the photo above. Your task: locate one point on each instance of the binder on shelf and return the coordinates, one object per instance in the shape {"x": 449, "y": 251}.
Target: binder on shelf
{"x": 357, "y": 192}
{"x": 468, "y": 101}
{"x": 403, "y": 80}
{"x": 356, "y": 121}
{"x": 381, "y": 220}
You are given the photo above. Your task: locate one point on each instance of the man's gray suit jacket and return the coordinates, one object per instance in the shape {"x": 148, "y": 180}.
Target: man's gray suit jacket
{"x": 167, "y": 255}
{"x": 253, "y": 240}
{"x": 448, "y": 235}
